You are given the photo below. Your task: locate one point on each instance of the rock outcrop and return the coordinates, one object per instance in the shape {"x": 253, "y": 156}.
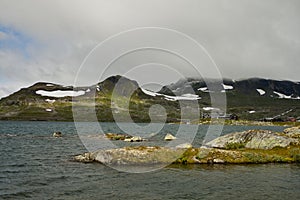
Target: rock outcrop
{"x": 132, "y": 155}
{"x": 293, "y": 132}
{"x": 161, "y": 155}
{"x": 253, "y": 139}
{"x": 254, "y": 146}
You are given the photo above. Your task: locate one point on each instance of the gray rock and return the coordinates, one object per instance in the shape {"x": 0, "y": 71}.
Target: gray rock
{"x": 253, "y": 139}
{"x": 293, "y": 132}
{"x": 218, "y": 161}
{"x": 133, "y": 155}
{"x": 57, "y": 134}
{"x": 134, "y": 139}
{"x": 184, "y": 146}
{"x": 86, "y": 157}
{"x": 169, "y": 137}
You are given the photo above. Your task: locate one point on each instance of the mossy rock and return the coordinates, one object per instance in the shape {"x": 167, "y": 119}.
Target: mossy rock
{"x": 235, "y": 145}
{"x": 117, "y": 136}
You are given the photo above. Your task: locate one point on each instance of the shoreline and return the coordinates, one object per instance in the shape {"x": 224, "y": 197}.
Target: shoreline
{"x": 203, "y": 122}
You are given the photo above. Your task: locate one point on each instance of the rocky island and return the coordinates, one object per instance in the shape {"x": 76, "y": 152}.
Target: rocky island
{"x": 253, "y": 146}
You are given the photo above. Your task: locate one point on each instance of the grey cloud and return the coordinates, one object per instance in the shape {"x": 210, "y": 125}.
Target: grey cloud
{"x": 246, "y": 38}
{"x": 3, "y": 35}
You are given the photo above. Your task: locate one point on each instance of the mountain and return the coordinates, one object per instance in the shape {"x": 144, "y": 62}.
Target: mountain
{"x": 252, "y": 86}
{"x": 53, "y": 102}
{"x": 251, "y": 99}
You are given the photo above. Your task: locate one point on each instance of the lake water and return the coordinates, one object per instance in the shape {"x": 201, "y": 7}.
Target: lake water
{"x": 34, "y": 165}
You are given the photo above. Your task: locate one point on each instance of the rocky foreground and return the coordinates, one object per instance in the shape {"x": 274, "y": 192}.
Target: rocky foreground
{"x": 253, "y": 146}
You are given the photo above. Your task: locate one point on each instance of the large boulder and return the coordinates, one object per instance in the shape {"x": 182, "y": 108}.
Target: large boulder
{"x": 253, "y": 139}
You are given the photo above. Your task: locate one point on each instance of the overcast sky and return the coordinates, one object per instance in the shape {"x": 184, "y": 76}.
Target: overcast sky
{"x": 48, "y": 40}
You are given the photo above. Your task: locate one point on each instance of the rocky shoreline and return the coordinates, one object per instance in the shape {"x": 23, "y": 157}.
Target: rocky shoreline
{"x": 253, "y": 146}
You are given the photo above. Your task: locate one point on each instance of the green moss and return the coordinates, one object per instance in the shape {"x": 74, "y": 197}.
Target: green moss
{"x": 188, "y": 156}
{"x": 235, "y": 145}
{"x": 295, "y": 154}
{"x": 277, "y": 154}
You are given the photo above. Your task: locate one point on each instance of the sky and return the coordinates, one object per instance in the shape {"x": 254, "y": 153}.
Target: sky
{"x": 52, "y": 40}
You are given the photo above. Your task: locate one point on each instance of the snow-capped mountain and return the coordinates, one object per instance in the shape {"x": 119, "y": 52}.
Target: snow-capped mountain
{"x": 252, "y": 99}
{"x": 252, "y": 87}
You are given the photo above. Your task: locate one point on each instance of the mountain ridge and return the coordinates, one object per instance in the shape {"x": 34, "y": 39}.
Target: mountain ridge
{"x": 251, "y": 99}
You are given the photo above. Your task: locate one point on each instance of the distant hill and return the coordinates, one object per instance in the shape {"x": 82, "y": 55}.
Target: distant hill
{"x": 251, "y": 99}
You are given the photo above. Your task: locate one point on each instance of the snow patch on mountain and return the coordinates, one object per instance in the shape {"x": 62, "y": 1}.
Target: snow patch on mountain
{"x": 150, "y": 93}
{"x": 203, "y": 89}
{"x": 182, "y": 97}
{"x": 98, "y": 88}
{"x": 172, "y": 98}
{"x": 260, "y": 91}
{"x": 227, "y": 87}
{"x": 191, "y": 96}
{"x": 283, "y": 96}
{"x": 210, "y": 108}
{"x": 60, "y": 93}
{"x": 50, "y": 100}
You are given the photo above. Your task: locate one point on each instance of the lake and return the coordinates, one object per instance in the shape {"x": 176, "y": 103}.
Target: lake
{"x": 35, "y": 165}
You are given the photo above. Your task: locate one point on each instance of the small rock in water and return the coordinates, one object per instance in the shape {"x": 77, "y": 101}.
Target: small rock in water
{"x": 184, "y": 146}
{"x": 86, "y": 157}
{"x": 117, "y": 136}
{"x": 219, "y": 161}
{"x": 169, "y": 137}
{"x": 57, "y": 134}
{"x": 134, "y": 139}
